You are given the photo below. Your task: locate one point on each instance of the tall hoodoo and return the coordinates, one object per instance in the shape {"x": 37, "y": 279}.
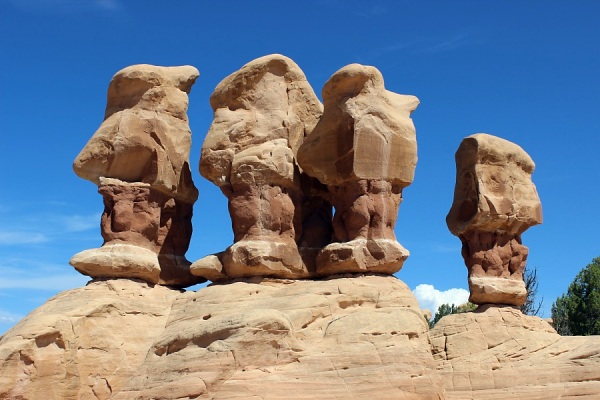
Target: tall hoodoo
{"x": 262, "y": 114}
{"x": 495, "y": 201}
{"x": 364, "y": 149}
{"x": 139, "y": 160}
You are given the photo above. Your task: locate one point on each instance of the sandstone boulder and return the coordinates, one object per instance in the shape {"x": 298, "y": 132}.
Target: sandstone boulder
{"x": 139, "y": 158}
{"x": 495, "y": 201}
{"x": 364, "y": 149}
{"x": 261, "y": 115}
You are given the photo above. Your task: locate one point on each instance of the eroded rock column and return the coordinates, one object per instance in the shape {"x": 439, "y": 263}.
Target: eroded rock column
{"x": 364, "y": 150}
{"x": 139, "y": 160}
{"x": 261, "y": 115}
{"x": 495, "y": 201}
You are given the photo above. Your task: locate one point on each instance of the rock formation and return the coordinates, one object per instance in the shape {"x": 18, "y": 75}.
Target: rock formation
{"x": 261, "y": 115}
{"x": 495, "y": 201}
{"x": 263, "y": 338}
{"x": 353, "y": 336}
{"x": 364, "y": 149}
{"x": 498, "y": 353}
{"x": 139, "y": 159}
{"x": 359, "y": 337}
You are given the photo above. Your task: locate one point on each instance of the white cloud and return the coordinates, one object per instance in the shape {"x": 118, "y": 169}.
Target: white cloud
{"x": 430, "y": 298}
{"x": 79, "y": 223}
{"x": 10, "y": 238}
{"x": 9, "y": 318}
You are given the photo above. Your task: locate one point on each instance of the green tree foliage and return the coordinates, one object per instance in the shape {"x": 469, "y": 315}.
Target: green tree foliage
{"x": 447, "y": 309}
{"x": 531, "y": 307}
{"x": 578, "y": 311}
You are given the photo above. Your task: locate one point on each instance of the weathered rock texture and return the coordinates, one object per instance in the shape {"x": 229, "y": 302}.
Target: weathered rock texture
{"x": 499, "y": 353}
{"x": 272, "y": 339}
{"x": 364, "y": 149}
{"x": 261, "y": 115}
{"x": 495, "y": 201}
{"x": 358, "y": 337}
{"x": 139, "y": 159}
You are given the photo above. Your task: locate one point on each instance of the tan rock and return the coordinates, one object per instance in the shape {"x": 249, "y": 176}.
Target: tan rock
{"x": 498, "y": 353}
{"x": 145, "y": 136}
{"x": 209, "y": 267}
{"x": 261, "y": 115}
{"x": 494, "y": 202}
{"x": 362, "y": 255}
{"x": 493, "y": 189}
{"x": 364, "y": 149}
{"x": 139, "y": 158}
{"x": 347, "y": 337}
{"x": 358, "y": 337}
{"x": 118, "y": 260}
{"x": 365, "y": 131}
{"x": 83, "y": 343}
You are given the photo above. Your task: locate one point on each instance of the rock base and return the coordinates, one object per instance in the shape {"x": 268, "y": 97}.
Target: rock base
{"x": 496, "y": 352}
{"x": 382, "y": 256}
{"x": 280, "y": 259}
{"x": 497, "y": 290}
{"x": 120, "y": 260}
{"x": 360, "y": 337}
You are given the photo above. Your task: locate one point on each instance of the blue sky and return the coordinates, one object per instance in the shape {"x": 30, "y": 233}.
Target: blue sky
{"x": 524, "y": 71}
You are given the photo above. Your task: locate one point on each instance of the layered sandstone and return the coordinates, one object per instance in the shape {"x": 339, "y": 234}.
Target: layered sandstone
{"x": 262, "y": 114}
{"x": 495, "y": 201}
{"x": 364, "y": 150}
{"x": 139, "y": 160}
{"x": 496, "y": 352}
{"x": 355, "y": 337}
{"x": 264, "y": 338}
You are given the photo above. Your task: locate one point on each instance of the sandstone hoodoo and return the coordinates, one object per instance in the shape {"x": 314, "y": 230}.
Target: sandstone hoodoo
{"x": 139, "y": 160}
{"x": 495, "y": 201}
{"x": 303, "y": 304}
{"x": 364, "y": 149}
{"x": 262, "y": 114}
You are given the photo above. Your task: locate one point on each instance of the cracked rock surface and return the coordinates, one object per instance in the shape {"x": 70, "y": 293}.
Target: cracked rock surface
{"x": 496, "y": 352}
{"x": 122, "y": 339}
{"x": 346, "y": 337}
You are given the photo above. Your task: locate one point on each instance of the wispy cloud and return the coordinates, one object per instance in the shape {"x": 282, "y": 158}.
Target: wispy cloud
{"x": 15, "y": 238}
{"x": 32, "y": 274}
{"x": 32, "y": 229}
{"x": 111, "y": 5}
{"x": 452, "y": 42}
{"x": 371, "y": 9}
{"x": 431, "y": 298}
{"x": 80, "y": 223}
{"x": 431, "y": 45}
{"x": 50, "y": 283}
{"x": 8, "y": 317}
{"x": 66, "y": 6}
{"x": 445, "y": 248}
